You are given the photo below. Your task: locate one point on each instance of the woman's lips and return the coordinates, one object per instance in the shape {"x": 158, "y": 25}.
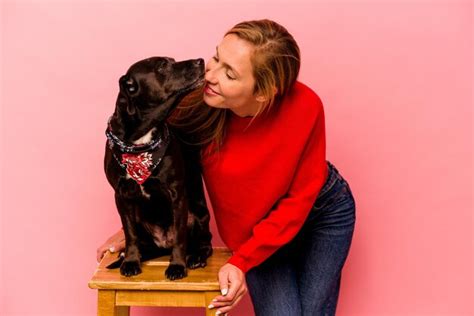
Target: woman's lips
{"x": 208, "y": 90}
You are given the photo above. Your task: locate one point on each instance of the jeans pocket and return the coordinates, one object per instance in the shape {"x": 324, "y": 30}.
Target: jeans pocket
{"x": 340, "y": 193}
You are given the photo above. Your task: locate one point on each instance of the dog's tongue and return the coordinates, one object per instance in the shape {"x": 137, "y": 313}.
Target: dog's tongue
{"x": 138, "y": 166}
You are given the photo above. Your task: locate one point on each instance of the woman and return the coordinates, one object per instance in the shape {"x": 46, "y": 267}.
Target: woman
{"x": 285, "y": 212}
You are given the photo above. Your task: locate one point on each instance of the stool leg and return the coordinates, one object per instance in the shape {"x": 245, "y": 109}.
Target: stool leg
{"x": 106, "y": 305}
{"x": 122, "y": 310}
{"x": 209, "y": 296}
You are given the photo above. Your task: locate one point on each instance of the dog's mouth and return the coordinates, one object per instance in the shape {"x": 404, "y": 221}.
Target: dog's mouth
{"x": 198, "y": 83}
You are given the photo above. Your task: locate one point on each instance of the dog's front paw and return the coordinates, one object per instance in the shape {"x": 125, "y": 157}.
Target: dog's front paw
{"x": 175, "y": 271}
{"x": 196, "y": 261}
{"x": 129, "y": 268}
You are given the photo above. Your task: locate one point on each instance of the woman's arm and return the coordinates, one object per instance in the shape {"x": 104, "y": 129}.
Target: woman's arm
{"x": 288, "y": 215}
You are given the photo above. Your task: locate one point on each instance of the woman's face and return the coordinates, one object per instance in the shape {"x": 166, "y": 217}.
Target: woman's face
{"x": 229, "y": 78}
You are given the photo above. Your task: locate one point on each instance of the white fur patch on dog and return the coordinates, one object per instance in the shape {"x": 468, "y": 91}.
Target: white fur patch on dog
{"x": 162, "y": 238}
{"x": 144, "y": 193}
{"x": 145, "y": 139}
{"x": 166, "y": 239}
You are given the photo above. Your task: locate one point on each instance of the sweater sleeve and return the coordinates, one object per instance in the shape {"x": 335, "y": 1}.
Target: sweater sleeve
{"x": 288, "y": 215}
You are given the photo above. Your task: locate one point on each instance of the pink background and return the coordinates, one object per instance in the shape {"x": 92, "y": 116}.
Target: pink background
{"x": 396, "y": 82}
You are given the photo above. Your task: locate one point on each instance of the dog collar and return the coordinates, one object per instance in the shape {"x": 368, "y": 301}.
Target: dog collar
{"x": 132, "y": 148}
{"x": 139, "y": 161}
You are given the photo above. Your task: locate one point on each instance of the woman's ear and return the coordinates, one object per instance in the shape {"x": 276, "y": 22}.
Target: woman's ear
{"x": 263, "y": 98}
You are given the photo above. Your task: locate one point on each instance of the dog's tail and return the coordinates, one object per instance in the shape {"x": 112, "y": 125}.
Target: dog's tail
{"x": 144, "y": 256}
{"x": 117, "y": 263}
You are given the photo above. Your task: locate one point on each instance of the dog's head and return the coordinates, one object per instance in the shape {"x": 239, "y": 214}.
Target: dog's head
{"x": 152, "y": 87}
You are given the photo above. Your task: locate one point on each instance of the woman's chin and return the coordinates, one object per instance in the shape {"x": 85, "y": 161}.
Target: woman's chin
{"x": 212, "y": 103}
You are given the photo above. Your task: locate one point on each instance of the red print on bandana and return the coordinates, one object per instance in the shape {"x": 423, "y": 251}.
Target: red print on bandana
{"x": 138, "y": 166}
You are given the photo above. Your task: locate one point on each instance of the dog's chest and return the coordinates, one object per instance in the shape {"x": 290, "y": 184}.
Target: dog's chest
{"x": 143, "y": 193}
{"x": 145, "y": 139}
{"x": 139, "y": 161}
{"x": 166, "y": 238}
{"x": 163, "y": 238}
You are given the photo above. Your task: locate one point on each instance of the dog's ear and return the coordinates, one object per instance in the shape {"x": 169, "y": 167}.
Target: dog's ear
{"x": 125, "y": 104}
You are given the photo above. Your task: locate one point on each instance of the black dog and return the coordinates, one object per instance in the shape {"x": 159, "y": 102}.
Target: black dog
{"x": 156, "y": 178}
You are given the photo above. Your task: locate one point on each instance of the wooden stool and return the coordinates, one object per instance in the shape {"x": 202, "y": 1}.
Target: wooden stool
{"x": 151, "y": 288}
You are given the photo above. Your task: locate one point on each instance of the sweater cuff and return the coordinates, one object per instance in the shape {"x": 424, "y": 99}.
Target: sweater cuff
{"x": 239, "y": 263}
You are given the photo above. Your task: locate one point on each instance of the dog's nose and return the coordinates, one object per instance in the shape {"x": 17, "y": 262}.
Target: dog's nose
{"x": 199, "y": 62}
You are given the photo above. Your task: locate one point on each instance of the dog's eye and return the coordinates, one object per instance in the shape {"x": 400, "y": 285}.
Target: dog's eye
{"x": 130, "y": 85}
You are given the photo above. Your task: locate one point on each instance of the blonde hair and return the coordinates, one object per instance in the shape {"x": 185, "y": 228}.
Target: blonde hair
{"x": 276, "y": 63}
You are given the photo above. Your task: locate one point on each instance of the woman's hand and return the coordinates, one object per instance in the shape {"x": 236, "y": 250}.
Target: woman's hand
{"x": 233, "y": 288}
{"x": 115, "y": 243}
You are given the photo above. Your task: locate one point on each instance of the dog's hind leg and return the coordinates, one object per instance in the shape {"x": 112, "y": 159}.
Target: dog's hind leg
{"x": 199, "y": 248}
{"x": 177, "y": 267}
{"x": 200, "y": 235}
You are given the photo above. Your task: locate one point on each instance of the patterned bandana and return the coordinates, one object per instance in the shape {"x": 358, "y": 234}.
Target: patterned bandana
{"x": 137, "y": 160}
{"x": 138, "y": 166}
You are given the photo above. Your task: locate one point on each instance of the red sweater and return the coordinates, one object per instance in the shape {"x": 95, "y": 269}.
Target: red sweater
{"x": 265, "y": 178}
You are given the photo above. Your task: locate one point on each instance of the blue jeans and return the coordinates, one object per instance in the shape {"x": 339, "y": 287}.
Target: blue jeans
{"x": 302, "y": 278}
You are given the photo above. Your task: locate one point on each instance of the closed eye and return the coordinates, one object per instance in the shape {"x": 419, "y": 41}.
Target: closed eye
{"x": 228, "y": 76}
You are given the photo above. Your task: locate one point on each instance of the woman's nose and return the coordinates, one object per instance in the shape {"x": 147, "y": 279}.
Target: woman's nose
{"x": 210, "y": 75}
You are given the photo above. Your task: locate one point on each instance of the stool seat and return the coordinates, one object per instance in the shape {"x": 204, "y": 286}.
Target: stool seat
{"x": 116, "y": 293}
